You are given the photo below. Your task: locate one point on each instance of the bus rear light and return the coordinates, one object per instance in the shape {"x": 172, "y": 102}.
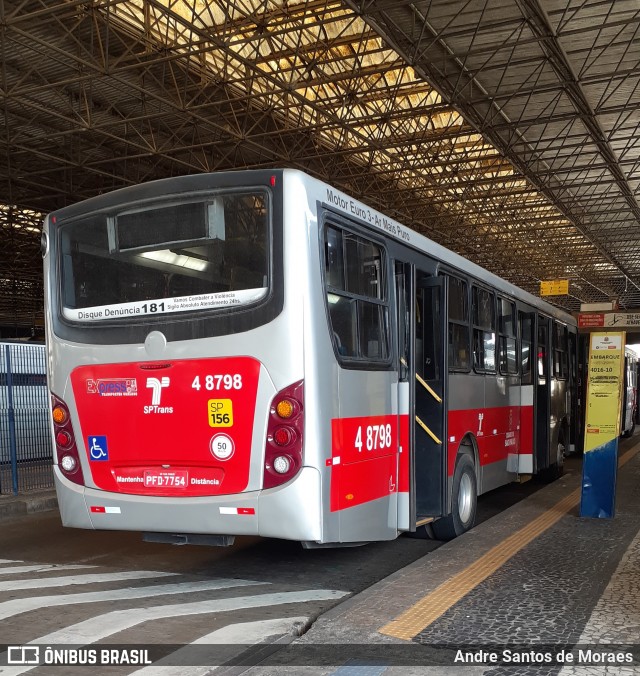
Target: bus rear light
{"x": 282, "y": 464}
{"x": 286, "y": 405}
{"x": 63, "y": 439}
{"x": 68, "y": 464}
{"x": 66, "y": 449}
{"x": 285, "y": 408}
{"x": 59, "y": 415}
{"x": 283, "y": 436}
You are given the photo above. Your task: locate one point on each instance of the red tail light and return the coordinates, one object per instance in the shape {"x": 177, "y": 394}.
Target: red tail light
{"x": 283, "y": 436}
{"x": 283, "y": 449}
{"x": 63, "y": 439}
{"x": 66, "y": 449}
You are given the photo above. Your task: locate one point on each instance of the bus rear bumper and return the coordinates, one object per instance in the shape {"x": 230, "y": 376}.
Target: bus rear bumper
{"x": 291, "y": 512}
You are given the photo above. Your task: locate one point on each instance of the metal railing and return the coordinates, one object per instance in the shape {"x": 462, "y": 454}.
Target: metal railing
{"x": 26, "y": 454}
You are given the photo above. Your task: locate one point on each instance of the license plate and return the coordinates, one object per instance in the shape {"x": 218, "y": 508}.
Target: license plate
{"x": 166, "y": 479}
{"x": 220, "y": 413}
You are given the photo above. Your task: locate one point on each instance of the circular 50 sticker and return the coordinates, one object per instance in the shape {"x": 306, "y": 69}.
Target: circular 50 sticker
{"x": 222, "y": 446}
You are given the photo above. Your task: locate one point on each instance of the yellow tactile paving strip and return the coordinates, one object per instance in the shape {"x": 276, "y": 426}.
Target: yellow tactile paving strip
{"x": 426, "y": 611}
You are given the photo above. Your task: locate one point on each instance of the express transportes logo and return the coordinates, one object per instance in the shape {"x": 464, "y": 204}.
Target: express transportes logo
{"x": 113, "y": 387}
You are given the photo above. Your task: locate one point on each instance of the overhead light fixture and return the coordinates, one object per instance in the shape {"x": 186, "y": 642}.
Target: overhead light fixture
{"x": 179, "y": 260}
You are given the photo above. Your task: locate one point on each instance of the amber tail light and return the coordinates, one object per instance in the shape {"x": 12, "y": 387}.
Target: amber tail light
{"x": 283, "y": 448}
{"x": 65, "y": 443}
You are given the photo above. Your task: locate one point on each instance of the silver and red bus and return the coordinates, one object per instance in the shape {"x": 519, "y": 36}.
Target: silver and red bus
{"x": 629, "y": 404}
{"x": 258, "y": 353}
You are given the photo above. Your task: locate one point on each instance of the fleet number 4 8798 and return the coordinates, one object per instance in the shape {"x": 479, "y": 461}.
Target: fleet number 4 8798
{"x": 227, "y": 381}
{"x": 376, "y": 436}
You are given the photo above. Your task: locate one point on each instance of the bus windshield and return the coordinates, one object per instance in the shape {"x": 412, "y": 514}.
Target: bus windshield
{"x": 167, "y": 256}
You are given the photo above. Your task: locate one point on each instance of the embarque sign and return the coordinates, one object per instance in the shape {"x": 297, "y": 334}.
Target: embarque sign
{"x": 604, "y": 388}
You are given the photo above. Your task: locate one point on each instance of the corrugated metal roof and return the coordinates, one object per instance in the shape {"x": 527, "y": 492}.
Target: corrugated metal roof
{"x": 504, "y": 129}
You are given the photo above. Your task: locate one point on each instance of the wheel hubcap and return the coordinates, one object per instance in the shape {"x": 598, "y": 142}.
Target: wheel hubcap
{"x": 560, "y": 455}
{"x": 465, "y": 498}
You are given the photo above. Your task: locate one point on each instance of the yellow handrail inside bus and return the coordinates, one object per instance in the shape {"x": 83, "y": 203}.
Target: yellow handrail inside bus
{"x": 428, "y": 431}
{"x": 423, "y": 383}
{"x": 429, "y": 390}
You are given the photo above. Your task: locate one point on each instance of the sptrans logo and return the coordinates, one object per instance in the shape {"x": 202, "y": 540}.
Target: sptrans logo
{"x": 157, "y": 385}
{"x": 113, "y": 387}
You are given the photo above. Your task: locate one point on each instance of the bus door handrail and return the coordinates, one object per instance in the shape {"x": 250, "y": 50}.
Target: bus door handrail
{"x": 434, "y": 395}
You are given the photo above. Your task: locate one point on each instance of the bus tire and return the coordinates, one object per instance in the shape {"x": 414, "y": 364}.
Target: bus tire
{"x": 464, "y": 502}
{"x": 424, "y": 532}
{"x": 555, "y": 470}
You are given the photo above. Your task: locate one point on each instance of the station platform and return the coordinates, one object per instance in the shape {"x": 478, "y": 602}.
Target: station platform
{"x": 534, "y": 590}
{"x": 12, "y": 506}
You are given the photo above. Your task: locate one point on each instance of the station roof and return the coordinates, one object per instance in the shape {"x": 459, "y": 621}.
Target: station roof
{"x": 506, "y": 130}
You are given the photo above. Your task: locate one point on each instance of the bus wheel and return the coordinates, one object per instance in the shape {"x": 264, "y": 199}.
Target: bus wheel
{"x": 555, "y": 470}
{"x": 464, "y": 501}
{"x": 560, "y": 462}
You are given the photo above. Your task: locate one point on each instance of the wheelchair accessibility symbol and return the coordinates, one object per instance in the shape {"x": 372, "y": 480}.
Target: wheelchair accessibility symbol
{"x": 98, "y": 447}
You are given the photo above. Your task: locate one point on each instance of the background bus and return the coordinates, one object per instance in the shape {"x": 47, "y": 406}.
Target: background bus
{"x": 259, "y": 353}
{"x": 629, "y": 393}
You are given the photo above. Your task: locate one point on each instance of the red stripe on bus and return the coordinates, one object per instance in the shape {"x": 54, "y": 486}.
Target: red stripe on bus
{"x": 368, "y": 450}
{"x": 498, "y": 432}
{"x": 403, "y": 458}
{"x": 370, "y": 469}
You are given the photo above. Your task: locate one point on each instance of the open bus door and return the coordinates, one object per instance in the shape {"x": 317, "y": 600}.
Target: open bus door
{"x": 575, "y": 427}
{"x": 542, "y": 395}
{"x": 429, "y": 452}
{"x": 629, "y": 394}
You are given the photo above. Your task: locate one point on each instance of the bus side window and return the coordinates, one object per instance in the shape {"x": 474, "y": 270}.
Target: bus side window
{"x": 458, "y": 342}
{"x": 341, "y": 309}
{"x": 507, "y": 344}
{"x": 334, "y": 259}
{"x": 372, "y": 332}
{"x": 560, "y": 351}
{"x": 484, "y": 330}
{"x": 404, "y": 320}
{"x": 526, "y": 340}
{"x": 356, "y": 295}
{"x": 342, "y": 313}
{"x": 543, "y": 333}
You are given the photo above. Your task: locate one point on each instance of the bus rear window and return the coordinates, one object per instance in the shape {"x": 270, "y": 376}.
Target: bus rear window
{"x": 188, "y": 256}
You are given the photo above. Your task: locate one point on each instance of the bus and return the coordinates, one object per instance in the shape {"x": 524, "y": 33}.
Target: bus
{"x": 259, "y": 353}
{"x": 629, "y": 393}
